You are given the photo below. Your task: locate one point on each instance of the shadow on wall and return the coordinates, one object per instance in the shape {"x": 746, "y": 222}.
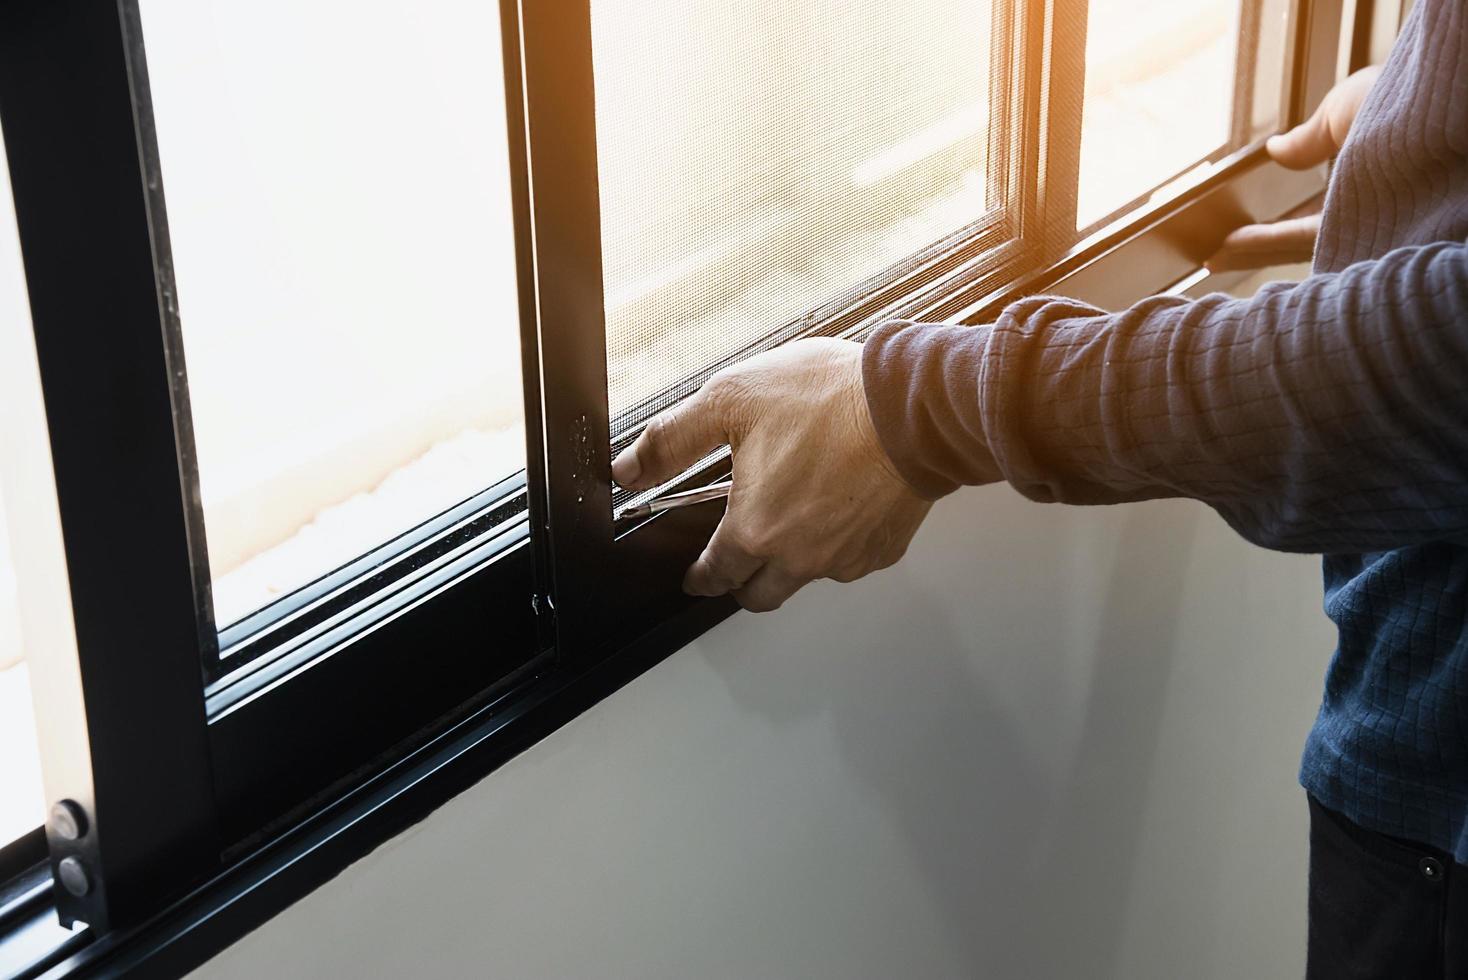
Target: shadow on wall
{"x": 1032, "y": 854}
{"x": 1055, "y": 742}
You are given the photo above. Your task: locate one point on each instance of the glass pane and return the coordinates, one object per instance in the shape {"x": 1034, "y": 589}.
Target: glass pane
{"x": 338, "y": 198}
{"x": 22, "y": 798}
{"x": 757, "y": 160}
{"x": 1170, "y": 85}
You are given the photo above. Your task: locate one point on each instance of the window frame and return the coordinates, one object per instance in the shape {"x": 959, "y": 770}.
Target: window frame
{"x": 89, "y": 253}
{"x": 234, "y": 737}
{"x": 258, "y": 644}
{"x": 261, "y": 823}
{"x": 610, "y": 584}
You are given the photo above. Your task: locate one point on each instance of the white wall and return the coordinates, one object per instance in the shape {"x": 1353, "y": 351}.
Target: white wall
{"x": 1052, "y": 743}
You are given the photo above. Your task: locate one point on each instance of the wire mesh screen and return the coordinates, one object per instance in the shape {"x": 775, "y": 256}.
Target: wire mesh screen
{"x": 759, "y": 160}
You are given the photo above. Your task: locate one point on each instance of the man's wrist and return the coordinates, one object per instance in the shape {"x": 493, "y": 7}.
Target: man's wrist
{"x": 921, "y": 386}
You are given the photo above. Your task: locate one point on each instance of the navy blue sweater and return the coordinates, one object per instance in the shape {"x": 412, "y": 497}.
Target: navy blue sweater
{"x": 1327, "y": 416}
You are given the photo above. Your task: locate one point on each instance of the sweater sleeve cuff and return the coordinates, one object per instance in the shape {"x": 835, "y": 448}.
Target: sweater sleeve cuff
{"x": 922, "y": 390}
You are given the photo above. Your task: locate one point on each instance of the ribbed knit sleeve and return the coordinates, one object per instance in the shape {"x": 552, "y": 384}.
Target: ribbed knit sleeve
{"x": 1325, "y": 416}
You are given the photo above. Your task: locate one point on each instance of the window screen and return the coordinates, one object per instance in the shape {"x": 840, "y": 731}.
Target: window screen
{"x": 759, "y": 161}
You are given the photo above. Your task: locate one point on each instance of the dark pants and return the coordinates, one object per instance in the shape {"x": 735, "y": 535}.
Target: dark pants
{"x": 1383, "y": 907}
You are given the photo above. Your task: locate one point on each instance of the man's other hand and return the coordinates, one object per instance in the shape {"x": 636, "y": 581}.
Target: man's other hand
{"x": 814, "y": 494}
{"x": 1314, "y": 141}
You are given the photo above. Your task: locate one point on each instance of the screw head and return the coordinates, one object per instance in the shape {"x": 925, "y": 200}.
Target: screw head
{"x": 68, "y": 820}
{"x": 74, "y": 877}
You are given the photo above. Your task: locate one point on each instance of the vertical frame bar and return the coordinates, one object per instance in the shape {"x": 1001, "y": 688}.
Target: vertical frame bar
{"x": 1295, "y": 59}
{"x": 1317, "y": 58}
{"x": 1006, "y": 182}
{"x": 517, "y": 131}
{"x": 1019, "y": 113}
{"x": 1246, "y": 63}
{"x": 122, "y": 712}
{"x": 172, "y": 332}
{"x": 1061, "y": 62}
{"x": 1361, "y": 35}
{"x": 565, "y": 211}
{"x": 603, "y": 595}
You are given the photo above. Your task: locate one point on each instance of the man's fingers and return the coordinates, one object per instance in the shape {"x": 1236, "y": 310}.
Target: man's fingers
{"x": 723, "y": 566}
{"x": 1258, "y": 246}
{"x": 768, "y": 589}
{"x": 672, "y": 442}
{"x": 1306, "y": 145}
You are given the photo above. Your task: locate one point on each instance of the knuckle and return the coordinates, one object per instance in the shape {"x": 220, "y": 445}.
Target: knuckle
{"x": 718, "y": 385}
{"x": 893, "y": 555}
{"x": 722, "y": 579}
{"x": 704, "y": 571}
{"x": 860, "y": 567}
{"x": 727, "y": 395}
{"x": 659, "y": 434}
{"x": 870, "y": 561}
{"x": 755, "y": 602}
{"x": 723, "y": 391}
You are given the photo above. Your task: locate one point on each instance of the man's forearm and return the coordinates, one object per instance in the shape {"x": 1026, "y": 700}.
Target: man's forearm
{"x": 1322, "y": 416}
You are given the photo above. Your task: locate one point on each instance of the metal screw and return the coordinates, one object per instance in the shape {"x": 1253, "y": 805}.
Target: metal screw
{"x": 1431, "y": 868}
{"x": 74, "y": 877}
{"x": 68, "y": 820}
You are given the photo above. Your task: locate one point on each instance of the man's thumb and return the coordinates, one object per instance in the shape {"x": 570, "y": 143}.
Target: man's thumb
{"x": 672, "y": 442}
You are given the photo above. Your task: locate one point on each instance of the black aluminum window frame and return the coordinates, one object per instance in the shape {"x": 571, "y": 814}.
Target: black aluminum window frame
{"x": 256, "y": 821}
{"x": 241, "y": 656}
{"x": 355, "y": 667}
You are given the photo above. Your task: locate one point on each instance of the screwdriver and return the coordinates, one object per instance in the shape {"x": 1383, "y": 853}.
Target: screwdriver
{"x": 714, "y": 491}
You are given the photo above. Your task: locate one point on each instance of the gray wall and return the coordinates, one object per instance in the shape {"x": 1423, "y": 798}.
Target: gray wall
{"x": 1052, "y": 742}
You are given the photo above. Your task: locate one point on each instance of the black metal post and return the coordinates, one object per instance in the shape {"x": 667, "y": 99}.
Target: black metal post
{"x": 122, "y": 712}
{"x": 571, "y": 323}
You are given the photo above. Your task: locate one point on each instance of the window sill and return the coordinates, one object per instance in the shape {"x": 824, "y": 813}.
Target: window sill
{"x": 265, "y": 881}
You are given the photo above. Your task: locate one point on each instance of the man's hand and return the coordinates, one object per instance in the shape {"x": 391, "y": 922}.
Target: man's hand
{"x": 1314, "y": 141}
{"x": 814, "y": 494}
